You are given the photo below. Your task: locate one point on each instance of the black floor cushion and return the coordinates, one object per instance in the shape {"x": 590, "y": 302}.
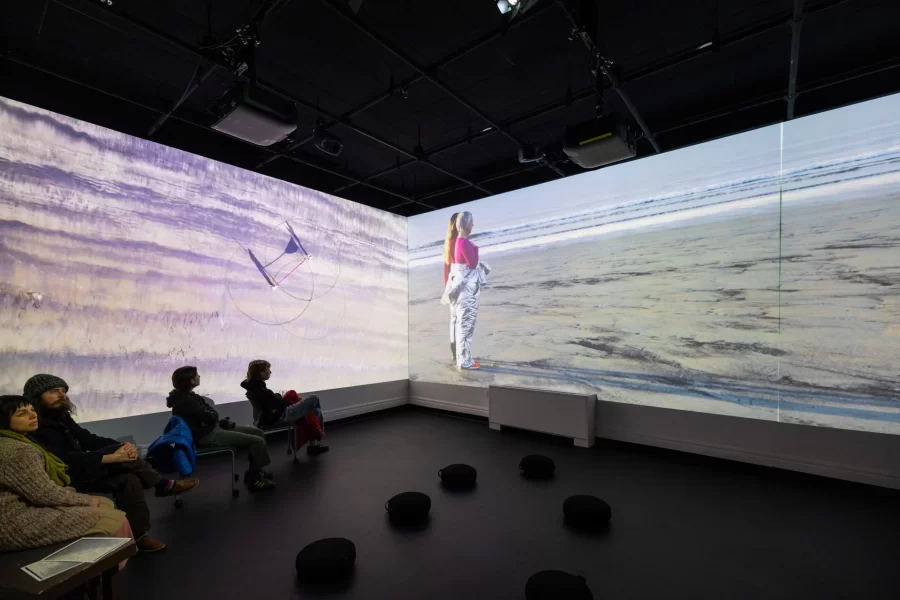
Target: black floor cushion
{"x": 458, "y": 476}
{"x": 557, "y": 585}
{"x": 586, "y": 512}
{"x": 326, "y": 561}
{"x": 409, "y": 507}
{"x": 537, "y": 466}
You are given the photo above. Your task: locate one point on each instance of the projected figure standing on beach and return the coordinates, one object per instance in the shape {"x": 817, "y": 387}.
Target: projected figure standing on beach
{"x": 462, "y": 291}
{"x": 280, "y": 285}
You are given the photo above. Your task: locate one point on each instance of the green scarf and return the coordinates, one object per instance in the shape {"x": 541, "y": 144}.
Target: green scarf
{"x": 56, "y": 469}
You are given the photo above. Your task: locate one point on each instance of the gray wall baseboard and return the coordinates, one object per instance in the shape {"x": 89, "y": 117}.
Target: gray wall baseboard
{"x": 337, "y": 404}
{"x": 470, "y": 400}
{"x": 862, "y": 457}
{"x": 870, "y": 458}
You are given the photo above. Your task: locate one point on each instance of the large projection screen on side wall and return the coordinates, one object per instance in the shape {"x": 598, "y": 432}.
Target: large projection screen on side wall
{"x": 756, "y": 276}
{"x": 121, "y": 260}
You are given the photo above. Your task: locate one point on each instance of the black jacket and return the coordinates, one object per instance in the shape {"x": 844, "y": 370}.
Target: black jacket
{"x": 268, "y": 407}
{"x": 75, "y": 446}
{"x": 196, "y": 410}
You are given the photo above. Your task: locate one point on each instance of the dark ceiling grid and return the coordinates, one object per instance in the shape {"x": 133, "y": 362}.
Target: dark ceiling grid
{"x": 276, "y": 90}
{"x": 433, "y": 78}
{"x": 405, "y": 84}
{"x": 726, "y": 113}
{"x": 538, "y": 112}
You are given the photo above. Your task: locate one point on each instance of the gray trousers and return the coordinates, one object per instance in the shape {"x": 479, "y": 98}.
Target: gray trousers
{"x": 242, "y": 436}
{"x": 295, "y": 412}
{"x": 453, "y": 324}
{"x": 465, "y": 313}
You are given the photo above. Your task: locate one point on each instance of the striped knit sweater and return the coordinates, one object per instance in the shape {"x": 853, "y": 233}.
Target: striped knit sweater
{"x": 34, "y": 511}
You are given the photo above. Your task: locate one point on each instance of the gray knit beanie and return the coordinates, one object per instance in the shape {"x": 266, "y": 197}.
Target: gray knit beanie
{"x": 41, "y": 383}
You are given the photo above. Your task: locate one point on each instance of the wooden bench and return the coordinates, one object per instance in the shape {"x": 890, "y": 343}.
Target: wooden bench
{"x": 95, "y": 579}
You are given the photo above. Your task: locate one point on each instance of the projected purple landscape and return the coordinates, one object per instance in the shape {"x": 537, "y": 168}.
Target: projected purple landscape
{"x": 121, "y": 260}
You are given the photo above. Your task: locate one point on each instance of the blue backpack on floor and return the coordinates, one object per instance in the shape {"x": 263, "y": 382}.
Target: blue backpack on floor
{"x": 173, "y": 451}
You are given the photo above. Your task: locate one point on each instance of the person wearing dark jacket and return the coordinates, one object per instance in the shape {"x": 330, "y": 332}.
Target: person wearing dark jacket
{"x": 270, "y": 409}
{"x": 209, "y": 431}
{"x": 98, "y": 464}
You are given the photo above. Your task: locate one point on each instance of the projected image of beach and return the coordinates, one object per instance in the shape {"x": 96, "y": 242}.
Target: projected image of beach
{"x": 669, "y": 282}
{"x": 841, "y": 267}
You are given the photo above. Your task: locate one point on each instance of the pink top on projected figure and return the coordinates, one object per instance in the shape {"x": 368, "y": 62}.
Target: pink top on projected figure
{"x": 466, "y": 252}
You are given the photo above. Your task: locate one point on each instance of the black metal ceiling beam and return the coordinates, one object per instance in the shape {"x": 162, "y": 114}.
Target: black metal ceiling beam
{"x": 31, "y": 65}
{"x": 477, "y": 136}
{"x": 796, "y": 27}
{"x": 524, "y": 168}
{"x": 605, "y": 67}
{"x": 187, "y": 94}
{"x": 820, "y": 84}
{"x": 737, "y": 37}
{"x": 846, "y": 76}
{"x": 430, "y": 75}
{"x": 447, "y": 60}
{"x": 186, "y": 48}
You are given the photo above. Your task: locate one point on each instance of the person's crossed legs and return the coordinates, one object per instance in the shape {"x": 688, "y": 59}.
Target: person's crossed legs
{"x": 296, "y": 412}
{"x": 243, "y": 437}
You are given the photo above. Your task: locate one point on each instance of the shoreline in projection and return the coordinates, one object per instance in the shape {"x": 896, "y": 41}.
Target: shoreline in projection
{"x": 680, "y": 319}
{"x": 754, "y": 276}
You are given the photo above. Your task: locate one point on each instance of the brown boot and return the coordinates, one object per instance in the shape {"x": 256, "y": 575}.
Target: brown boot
{"x": 180, "y": 487}
{"x": 149, "y": 544}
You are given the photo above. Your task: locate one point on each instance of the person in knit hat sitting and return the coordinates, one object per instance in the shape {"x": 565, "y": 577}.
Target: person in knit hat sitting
{"x": 37, "y": 505}
{"x": 270, "y": 410}
{"x": 98, "y": 464}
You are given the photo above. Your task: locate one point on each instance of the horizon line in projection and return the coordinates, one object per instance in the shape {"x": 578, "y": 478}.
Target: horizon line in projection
{"x": 756, "y": 275}
{"x": 122, "y": 259}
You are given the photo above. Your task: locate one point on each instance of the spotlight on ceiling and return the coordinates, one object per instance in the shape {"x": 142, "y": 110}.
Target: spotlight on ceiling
{"x": 326, "y": 141}
{"x": 514, "y": 7}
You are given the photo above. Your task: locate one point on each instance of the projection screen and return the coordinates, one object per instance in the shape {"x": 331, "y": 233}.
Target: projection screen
{"x": 756, "y": 276}
{"x": 123, "y": 259}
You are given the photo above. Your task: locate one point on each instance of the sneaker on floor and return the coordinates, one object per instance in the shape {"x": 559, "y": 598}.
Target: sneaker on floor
{"x": 475, "y": 365}
{"x": 149, "y": 544}
{"x": 264, "y": 474}
{"x": 316, "y": 450}
{"x": 260, "y": 484}
{"x": 179, "y": 487}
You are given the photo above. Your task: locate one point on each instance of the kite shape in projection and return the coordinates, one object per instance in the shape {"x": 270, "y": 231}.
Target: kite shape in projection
{"x": 280, "y": 285}
{"x": 294, "y": 246}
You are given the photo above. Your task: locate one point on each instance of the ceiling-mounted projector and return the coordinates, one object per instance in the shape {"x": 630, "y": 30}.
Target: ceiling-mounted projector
{"x": 599, "y": 142}
{"x": 255, "y": 119}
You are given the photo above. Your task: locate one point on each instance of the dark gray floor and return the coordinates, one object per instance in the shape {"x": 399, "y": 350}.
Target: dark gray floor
{"x": 682, "y": 527}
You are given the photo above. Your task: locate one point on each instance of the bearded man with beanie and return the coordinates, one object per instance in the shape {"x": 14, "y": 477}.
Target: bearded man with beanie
{"x": 98, "y": 464}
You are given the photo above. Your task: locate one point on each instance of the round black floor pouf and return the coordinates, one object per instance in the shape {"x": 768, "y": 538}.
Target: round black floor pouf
{"x": 326, "y": 561}
{"x": 409, "y": 507}
{"x": 538, "y": 466}
{"x": 557, "y": 585}
{"x": 458, "y": 476}
{"x": 586, "y": 512}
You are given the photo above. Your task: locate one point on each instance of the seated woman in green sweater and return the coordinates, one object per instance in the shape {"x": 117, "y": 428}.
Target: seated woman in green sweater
{"x": 37, "y": 508}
